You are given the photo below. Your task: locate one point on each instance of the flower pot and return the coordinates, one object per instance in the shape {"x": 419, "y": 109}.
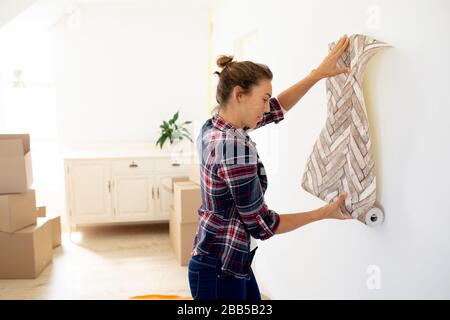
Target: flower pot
{"x": 176, "y": 151}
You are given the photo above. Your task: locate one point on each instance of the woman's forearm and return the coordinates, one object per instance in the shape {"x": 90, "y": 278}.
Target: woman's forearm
{"x": 289, "y": 97}
{"x": 327, "y": 68}
{"x": 292, "y": 221}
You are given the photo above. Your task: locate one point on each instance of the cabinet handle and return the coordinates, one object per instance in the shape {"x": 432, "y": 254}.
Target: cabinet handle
{"x": 157, "y": 192}
{"x": 153, "y": 193}
{"x": 109, "y": 185}
{"x": 175, "y": 164}
{"x": 133, "y": 165}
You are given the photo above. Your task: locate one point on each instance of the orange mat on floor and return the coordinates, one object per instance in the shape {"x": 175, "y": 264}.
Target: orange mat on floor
{"x": 160, "y": 297}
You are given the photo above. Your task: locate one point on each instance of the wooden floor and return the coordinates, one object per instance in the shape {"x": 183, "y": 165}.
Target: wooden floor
{"x": 112, "y": 262}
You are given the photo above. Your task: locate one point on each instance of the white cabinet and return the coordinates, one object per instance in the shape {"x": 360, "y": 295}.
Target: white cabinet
{"x": 119, "y": 189}
{"x": 133, "y": 197}
{"x": 163, "y": 195}
{"x": 88, "y": 191}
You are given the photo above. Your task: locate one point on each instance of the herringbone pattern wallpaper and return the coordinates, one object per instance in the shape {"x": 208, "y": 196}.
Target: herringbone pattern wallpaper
{"x": 342, "y": 159}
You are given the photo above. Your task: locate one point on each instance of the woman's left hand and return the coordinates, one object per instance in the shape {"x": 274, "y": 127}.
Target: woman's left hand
{"x": 328, "y": 67}
{"x": 333, "y": 209}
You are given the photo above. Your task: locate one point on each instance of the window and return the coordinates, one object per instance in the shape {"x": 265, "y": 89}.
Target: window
{"x": 27, "y": 105}
{"x": 28, "y": 91}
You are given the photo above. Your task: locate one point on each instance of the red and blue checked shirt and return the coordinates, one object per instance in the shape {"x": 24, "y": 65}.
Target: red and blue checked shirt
{"x": 233, "y": 183}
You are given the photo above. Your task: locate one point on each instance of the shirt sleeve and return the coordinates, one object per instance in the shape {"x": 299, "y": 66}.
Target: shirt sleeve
{"x": 245, "y": 187}
{"x": 276, "y": 113}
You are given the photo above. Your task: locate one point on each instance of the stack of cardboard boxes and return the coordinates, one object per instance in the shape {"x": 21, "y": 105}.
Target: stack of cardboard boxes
{"x": 27, "y": 237}
{"x": 183, "y": 218}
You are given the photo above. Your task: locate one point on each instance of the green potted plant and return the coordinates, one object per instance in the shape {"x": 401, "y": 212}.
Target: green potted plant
{"x": 173, "y": 132}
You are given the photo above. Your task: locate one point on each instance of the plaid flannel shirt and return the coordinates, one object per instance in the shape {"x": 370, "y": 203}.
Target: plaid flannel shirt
{"x": 233, "y": 183}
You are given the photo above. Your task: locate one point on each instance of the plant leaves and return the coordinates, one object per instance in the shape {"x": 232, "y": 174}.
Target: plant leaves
{"x": 159, "y": 140}
{"x": 175, "y": 117}
{"x": 164, "y": 138}
{"x": 187, "y": 137}
{"x": 170, "y": 130}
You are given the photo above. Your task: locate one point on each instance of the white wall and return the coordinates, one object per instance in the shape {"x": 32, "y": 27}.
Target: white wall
{"x": 128, "y": 66}
{"x": 120, "y": 69}
{"x": 9, "y": 9}
{"x": 408, "y": 104}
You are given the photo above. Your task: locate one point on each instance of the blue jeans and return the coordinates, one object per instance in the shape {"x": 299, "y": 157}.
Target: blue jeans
{"x": 206, "y": 284}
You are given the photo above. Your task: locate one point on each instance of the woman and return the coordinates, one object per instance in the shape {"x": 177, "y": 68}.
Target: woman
{"x": 233, "y": 181}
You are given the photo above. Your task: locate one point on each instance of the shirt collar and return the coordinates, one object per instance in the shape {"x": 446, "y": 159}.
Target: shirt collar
{"x": 221, "y": 124}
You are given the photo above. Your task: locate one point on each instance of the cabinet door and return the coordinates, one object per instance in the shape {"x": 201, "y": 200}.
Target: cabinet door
{"x": 164, "y": 196}
{"x": 89, "y": 191}
{"x": 133, "y": 198}
{"x": 164, "y": 193}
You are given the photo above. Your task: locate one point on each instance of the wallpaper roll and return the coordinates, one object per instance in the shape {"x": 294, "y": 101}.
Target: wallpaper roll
{"x": 342, "y": 159}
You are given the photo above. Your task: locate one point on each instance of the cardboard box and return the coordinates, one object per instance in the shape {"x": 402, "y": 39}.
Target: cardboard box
{"x": 25, "y": 253}
{"x": 16, "y": 175}
{"x": 168, "y": 182}
{"x": 56, "y": 230}
{"x": 187, "y": 200}
{"x": 41, "y": 212}
{"x": 182, "y": 237}
{"x": 55, "y": 223}
{"x": 179, "y": 179}
{"x": 17, "y": 211}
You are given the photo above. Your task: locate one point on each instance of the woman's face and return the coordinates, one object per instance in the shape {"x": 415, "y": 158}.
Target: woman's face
{"x": 255, "y": 104}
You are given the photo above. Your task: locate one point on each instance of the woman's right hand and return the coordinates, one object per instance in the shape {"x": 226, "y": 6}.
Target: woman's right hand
{"x": 328, "y": 67}
{"x": 333, "y": 211}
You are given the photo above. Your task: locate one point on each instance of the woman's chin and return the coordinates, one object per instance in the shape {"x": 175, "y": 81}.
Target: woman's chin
{"x": 256, "y": 123}
{"x": 253, "y": 125}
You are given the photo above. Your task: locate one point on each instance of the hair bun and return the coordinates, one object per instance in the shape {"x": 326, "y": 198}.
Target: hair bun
{"x": 224, "y": 60}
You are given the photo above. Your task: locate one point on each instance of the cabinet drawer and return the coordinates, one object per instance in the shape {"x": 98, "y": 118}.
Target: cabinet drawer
{"x": 132, "y": 166}
{"x": 165, "y": 164}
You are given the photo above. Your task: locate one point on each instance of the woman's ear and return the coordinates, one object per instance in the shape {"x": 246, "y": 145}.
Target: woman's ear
{"x": 237, "y": 93}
